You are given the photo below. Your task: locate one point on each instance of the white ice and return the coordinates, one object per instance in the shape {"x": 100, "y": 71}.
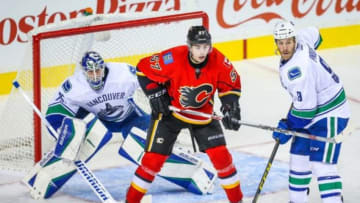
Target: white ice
{"x": 263, "y": 101}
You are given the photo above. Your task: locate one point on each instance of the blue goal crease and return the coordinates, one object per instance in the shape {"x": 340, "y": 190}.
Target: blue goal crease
{"x": 250, "y": 168}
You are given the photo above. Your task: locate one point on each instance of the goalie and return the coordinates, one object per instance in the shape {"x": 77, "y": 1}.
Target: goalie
{"x": 105, "y": 90}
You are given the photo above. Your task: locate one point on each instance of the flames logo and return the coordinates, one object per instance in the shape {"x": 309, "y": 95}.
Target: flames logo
{"x": 195, "y": 97}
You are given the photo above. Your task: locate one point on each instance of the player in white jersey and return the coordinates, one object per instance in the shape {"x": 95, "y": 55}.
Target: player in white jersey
{"x": 105, "y": 90}
{"x": 319, "y": 107}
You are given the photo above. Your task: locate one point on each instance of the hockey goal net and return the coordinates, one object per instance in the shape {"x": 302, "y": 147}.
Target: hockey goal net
{"x": 54, "y": 54}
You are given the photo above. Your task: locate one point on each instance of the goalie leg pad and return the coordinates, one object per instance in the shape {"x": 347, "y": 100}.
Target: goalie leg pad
{"x": 52, "y": 172}
{"x": 71, "y": 135}
{"x": 48, "y": 176}
{"x": 196, "y": 175}
{"x": 96, "y": 138}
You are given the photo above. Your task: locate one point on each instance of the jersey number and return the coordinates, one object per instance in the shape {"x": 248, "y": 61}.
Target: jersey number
{"x": 328, "y": 69}
{"x": 60, "y": 98}
{"x": 299, "y": 96}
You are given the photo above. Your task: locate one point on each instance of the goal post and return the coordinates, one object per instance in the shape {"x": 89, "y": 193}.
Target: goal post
{"x": 54, "y": 54}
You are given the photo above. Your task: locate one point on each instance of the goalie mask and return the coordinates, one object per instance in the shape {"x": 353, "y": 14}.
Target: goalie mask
{"x": 93, "y": 67}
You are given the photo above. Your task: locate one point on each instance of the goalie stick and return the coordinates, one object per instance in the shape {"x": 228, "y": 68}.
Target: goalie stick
{"x": 337, "y": 139}
{"x": 81, "y": 167}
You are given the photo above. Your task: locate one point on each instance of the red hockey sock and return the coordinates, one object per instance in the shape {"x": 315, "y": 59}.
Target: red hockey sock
{"x": 133, "y": 195}
{"x": 222, "y": 161}
{"x": 234, "y": 194}
{"x": 144, "y": 175}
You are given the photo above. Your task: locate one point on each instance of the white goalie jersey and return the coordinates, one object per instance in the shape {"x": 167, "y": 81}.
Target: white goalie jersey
{"x": 315, "y": 89}
{"x": 112, "y": 103}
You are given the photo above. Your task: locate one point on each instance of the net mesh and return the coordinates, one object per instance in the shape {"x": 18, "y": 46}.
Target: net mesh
{"x": 59, "y": 58}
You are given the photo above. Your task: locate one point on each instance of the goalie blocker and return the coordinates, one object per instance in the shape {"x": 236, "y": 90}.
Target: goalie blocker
{"x": 76, "y": 141}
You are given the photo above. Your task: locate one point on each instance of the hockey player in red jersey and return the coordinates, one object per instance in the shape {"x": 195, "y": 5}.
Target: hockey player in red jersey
{"x": 187, "y": 77}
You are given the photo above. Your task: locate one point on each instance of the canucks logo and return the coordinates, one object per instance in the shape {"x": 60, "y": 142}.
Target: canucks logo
{"x": 111, "y": 113}
{"x": 195, "y": 97}
{"x": 66, "y": 86}
{"x": 294, "y": 73}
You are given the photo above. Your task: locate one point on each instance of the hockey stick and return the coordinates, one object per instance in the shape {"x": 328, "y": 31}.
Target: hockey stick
{"x": 84, "y": 171}
{"x": 266, "y": 172}
{"x": 337, "y": 139}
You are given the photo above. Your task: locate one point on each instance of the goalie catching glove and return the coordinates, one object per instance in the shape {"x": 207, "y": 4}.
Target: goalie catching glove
{"x": 231, "y": 114}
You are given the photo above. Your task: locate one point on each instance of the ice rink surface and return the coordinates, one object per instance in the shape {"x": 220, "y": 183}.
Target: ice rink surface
{"x": 263, "y": 101}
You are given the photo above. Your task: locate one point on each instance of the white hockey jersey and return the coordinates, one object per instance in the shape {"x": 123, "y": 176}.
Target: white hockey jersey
{"x": 112, "y": 103}
{"x": 315, "y": 89}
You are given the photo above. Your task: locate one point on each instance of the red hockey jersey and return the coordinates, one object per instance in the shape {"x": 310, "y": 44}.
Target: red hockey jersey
{"x": 187, "y": 90}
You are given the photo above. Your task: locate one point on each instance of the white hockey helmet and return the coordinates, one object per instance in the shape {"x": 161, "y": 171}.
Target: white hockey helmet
{"x": 284, "y": 30}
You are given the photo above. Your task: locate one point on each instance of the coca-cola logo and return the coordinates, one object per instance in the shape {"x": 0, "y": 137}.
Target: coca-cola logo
{"x": 12, "y": 30}
{"x": 299, "y": 9}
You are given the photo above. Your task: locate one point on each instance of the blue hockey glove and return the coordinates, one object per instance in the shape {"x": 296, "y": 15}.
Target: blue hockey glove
{"x": 283, "y": 138}
{"x": 231, "y": 112}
